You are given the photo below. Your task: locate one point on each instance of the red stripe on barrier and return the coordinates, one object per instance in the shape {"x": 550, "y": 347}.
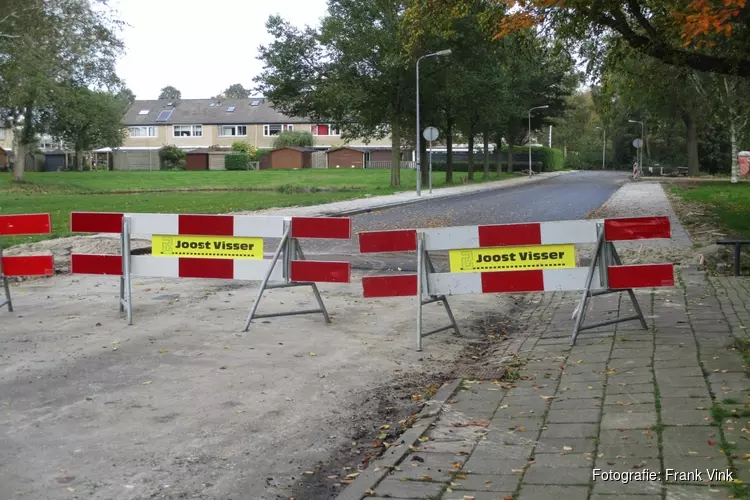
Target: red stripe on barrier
{"x": 207, "y": 268}
{"x": 339, "y": 228}
{"x": 641, "y": 276}
{"x": 95, "y": 222}
{"x": 404, "y": 240}
{"x": 110, "y": 265}
{"x": 513, "y": 281}
{"x": 206, "y": 225}
{"x": 637, "y": 228}
{"x": 389, "y": 286}
{"x": 22, "y": 224}
{"x": 29, "y": 265}
{"x": 508, "y": 235}
{"x": 320, "y": 271}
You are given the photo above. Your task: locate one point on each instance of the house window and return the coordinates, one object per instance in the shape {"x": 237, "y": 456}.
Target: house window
{"x": 188, "y": 130}
{"x": 142, "y": 131}
{"x": 232, "y": 130}
{"x": 271, "y": 130}
{"x": 325, "y": 129}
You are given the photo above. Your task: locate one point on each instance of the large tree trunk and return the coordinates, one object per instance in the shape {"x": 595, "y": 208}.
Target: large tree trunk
{"x": 20, "y": 166}
{"x": 510, "y": 153}
{"x": 79, "y": 159}
{"x": 499, "y": 147}
{"x": 395, "y": 154}
{"x": 470, "y": 168}
{"x": 693, "y": 162}
{"x": 449, "y": 147}
{"x": 486, "y": 140}
{"x": 735, "y": 148}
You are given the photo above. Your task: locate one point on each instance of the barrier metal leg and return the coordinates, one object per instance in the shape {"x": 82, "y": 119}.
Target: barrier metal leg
{"x": 587, "y": 290}
{"x": 631, "y": 293}
{"x": 8, "y": 301}
{"x": 264, "y": 283}
{"x": 420, "y": 277}
{"x": 327, "y": 318}
{"x": 126, "y": 289}
{"x": 424, "y": 268}
{"x": 444, "y": 299}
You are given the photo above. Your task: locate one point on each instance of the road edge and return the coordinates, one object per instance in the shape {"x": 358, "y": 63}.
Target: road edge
{"x": 499, "y": 185}
{"x": 378, "y": 469}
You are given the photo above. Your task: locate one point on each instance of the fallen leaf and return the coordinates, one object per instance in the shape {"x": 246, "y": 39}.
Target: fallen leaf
{"x": 502, "y": 407}
{"x": 382, "y": 436}
{"x": 711, "y": 443}
{"x": 308, "y": 473}
{"x": 516, "y": 470}
{"x": 456, "y": 465}
{"x": 424, "y": 438}
{"x": 147, "y": 383}
{"x": 426, "y": 478}
{"x": 579, "y": 361}
{"x": 547, "y": 398}
{"x": 163, "y": 351}
{"x": 460, "y": 476}
{"x": 522, "y": 429}
{"x": 352, "y": 475}
{"x": 313, "y": 354}
{"x": 692, "y": 452}
{"x": 567, "y": 448}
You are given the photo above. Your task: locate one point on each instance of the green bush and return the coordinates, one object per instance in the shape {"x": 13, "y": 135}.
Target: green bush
{"x": 171, "y": 158}
{"x": 294, "y": 139}
{"x": 551, "y": 158}
{"x": 244, "y": 147}
{"x": 237, "y": 161}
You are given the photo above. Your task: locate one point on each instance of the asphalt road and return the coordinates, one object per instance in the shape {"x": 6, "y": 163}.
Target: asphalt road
{"x": 566, "y": 197}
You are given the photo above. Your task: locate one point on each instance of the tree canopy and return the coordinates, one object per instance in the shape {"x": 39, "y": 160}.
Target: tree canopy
{"x": 236, "y": 91}
{"x": 170, "y": 92}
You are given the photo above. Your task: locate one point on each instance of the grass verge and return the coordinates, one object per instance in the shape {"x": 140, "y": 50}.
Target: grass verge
{"x": 729, "y": 203}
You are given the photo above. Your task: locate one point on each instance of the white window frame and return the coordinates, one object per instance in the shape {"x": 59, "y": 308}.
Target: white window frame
{"x": 330, "y": 129}
{"x": 149, "y": 128}
{"x": 195, "y": 130}
{"x": 144, "y": 112}
{"x": 236, "y": 129}
{"x": 284, "y": 128}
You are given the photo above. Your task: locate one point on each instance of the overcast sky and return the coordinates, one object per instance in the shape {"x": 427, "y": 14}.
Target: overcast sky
{"x": 200, "y": 47}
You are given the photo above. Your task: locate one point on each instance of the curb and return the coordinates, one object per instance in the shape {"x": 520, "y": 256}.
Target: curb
{"x": 385, "y": 206}
{"x": 379, "y": 468}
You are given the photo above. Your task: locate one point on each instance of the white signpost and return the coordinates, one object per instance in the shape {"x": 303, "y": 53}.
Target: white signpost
{"x": 430, "y": 134}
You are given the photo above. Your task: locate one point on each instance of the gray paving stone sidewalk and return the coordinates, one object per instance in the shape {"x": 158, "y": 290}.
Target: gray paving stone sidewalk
{"x": 626, "y": 413}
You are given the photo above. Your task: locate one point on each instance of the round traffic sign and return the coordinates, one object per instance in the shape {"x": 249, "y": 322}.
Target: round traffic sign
{"x": 637, "y": 143}
{"x": 430, "y": 134}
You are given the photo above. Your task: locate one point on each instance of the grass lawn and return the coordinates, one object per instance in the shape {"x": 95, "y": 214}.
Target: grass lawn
{"x": 202, "y": 192}
{"x": 730, "y": 203}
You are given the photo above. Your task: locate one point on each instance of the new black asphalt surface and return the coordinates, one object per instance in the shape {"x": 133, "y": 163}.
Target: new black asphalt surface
{"x": 566, "y": 197}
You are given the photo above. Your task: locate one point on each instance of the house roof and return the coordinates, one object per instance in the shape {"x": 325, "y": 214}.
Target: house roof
{"x": 346, "y": 147}
{"x": 201, "y": 112}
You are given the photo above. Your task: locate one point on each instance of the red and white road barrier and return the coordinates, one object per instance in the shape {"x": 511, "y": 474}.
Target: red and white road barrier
{"x": 24, "y": 265}
{"x": 216, "y": 247}
{"x": 508, "y": 258}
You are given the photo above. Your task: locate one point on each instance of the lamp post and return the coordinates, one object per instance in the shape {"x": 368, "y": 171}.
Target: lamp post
{"x": 604, "y": 146}
{"x": 532, "y": 109}
{"x": 640, "y": 150}
{"x": 446, "y": 52}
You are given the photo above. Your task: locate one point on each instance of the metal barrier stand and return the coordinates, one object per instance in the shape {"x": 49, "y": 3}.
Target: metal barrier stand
{"x": 604, "y": 255}
{"x": 424, "y": 267}
{"x": 288, "y": 250}
{"x": 126, "y": 289}
{"x": 8, "y": 301}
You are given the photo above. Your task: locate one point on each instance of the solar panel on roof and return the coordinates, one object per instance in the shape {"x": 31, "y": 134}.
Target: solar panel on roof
{"x": 164, "y": 116}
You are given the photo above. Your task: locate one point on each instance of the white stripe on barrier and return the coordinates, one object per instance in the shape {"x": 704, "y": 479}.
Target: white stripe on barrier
{"x": 147, "y": 266}
{"x": 259, "y": 226}
{"x": 449, "y": 238}
{"x": 244, "y": 226}
{"x": 167, "y": 224}
{"x": 252, "y": 270}
{"x": 569, "y": 232}
{"x": 555, "y": 280}
{"x": 567, "y": 280}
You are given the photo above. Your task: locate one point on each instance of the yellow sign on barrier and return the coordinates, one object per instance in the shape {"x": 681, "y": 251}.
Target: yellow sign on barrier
{"x": 207, "y": 247}
{"x": 479, "y": 260}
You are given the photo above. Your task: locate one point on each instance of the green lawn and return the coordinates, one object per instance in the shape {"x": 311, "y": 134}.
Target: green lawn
{"x": 730, "y": 203}
{"x": 207, "y": 192}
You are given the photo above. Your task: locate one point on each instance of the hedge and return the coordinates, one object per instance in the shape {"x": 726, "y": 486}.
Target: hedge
{"x": 237, "y": 161}
{"x": 551, "y": 159}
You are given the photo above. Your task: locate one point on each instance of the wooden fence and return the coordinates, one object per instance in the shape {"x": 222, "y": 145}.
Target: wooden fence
{"x": 386, "y": 165}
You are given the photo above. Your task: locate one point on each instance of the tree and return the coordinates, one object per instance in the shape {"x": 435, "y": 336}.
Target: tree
{"x": 170, "y": 92}
{"x": 126, "y": 95}
{"x": 294, "y": 139}
{"x": 48, "y": 45}
{"x": 705, "y": 35}
{"x": 236, "y": 91}
{"x": 87, "y": 119}
{"x": 351, "y": 71}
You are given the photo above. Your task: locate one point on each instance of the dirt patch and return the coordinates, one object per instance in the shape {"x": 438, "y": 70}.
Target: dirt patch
{"x": 386, "y": 412}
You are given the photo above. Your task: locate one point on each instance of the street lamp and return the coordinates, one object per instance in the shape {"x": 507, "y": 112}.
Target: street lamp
{"x": 639, "y": 153}
{"x": 532, "y": 109}
{"x": 604, "y": 146}
{"x": 446, "y": 52}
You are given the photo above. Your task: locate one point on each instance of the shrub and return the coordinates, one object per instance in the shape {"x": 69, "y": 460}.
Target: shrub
{"x": 171, "y": 158}
{"x": 294, "y": 139}
{"x": 237, "y": 161}
{"x": 243, "y": 147}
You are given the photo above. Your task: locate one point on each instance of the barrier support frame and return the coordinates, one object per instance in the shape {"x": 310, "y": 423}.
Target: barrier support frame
{"x": 605, "y": 254}
{"x": 8, "y": 301}
{"x": 289, "y": 249}
{"x": 126, "y": 287}
{"x": 424, "y": 267}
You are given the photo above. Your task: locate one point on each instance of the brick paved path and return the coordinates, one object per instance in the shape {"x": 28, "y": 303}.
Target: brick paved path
{"x": 625, "y": 400}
